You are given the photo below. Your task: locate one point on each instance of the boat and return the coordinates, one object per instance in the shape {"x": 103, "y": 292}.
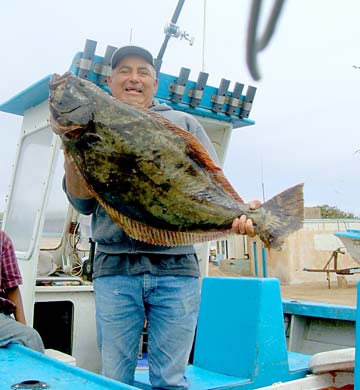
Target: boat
{"x": 260, "y": 340}
{"x": 351, "y": 240}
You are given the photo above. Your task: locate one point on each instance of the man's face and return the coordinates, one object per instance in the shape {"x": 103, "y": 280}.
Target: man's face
{"x": 133, "y": 81}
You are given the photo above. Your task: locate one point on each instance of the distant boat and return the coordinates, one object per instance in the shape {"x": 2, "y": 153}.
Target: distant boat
{"x": 351, "y": 240}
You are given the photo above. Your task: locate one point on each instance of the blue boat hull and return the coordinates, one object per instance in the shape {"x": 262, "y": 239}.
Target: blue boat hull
{"x": 19, "y": 364}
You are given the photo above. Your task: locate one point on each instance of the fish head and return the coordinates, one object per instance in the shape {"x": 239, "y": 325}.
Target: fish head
{"x": 70, "y": 106}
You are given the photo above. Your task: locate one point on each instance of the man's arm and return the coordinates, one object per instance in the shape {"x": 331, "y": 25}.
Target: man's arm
{"x": 75, "y": 185}
{"x": 14, "y": 295}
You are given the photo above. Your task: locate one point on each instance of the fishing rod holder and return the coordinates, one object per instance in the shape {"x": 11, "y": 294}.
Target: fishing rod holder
{"x": 172, "y": 30}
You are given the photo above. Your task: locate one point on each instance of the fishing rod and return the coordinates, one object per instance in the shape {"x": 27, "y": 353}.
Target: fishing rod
{"x": 171, "y": 30}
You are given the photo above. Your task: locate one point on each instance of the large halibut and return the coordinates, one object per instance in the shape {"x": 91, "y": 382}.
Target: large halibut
{"x": 153, "y": 178}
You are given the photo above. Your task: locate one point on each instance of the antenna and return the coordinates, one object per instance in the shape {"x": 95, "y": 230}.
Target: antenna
{"x": 204, "y": 38}
{"x": 262, "y": 179}
{"x": 130, "y": 39}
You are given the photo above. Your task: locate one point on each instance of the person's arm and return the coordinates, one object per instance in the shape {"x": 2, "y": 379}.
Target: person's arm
{"x": 75, "y": 185}
{"x": 14, "y": 295}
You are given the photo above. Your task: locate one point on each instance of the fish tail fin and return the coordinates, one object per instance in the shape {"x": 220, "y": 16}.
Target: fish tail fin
{"x": 283, "y": 214}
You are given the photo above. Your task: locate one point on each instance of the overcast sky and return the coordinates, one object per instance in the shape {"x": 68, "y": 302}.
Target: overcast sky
{"x": 307, "y": 104}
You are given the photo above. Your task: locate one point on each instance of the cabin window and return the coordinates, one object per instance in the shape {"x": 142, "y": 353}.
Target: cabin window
{"x": 56, "y": 210}
{"x": 27, "y": 197}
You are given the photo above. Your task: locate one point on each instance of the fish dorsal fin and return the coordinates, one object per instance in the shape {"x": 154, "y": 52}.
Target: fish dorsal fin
{"x": 199, "y": 151}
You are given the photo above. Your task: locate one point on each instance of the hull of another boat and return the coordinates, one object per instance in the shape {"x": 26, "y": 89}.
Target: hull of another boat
{"x": 351, "y": 241}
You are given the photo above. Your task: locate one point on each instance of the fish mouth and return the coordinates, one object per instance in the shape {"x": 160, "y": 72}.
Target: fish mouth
{"x": 60, "y": 112}
{"x": 71, "y": 110}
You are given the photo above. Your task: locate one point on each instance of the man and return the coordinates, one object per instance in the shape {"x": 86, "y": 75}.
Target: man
{"x": 13, "y": 328}
{"x": 134, "y": 281}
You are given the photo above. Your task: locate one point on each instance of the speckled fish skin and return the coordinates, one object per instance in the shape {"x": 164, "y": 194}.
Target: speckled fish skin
{"x": 143, "y": 167}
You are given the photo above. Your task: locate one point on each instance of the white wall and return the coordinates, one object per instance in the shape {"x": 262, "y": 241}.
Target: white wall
{"x": 310, "y": 247}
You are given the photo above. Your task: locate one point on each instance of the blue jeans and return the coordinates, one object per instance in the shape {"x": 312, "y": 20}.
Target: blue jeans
{"x": 169, "y": 303}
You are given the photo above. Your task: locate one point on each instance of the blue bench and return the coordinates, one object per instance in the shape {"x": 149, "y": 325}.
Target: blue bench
{"x": 240, "y": 340}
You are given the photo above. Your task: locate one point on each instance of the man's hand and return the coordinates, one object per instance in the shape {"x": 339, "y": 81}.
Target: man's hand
{"x": 244, "y": 225}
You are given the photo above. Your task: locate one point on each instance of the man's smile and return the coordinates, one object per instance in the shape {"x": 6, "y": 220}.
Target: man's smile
{"x": 133, "y": 90}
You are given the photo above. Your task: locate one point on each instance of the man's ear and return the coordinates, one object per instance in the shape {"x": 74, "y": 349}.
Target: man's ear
{"x": 109, "y": 81}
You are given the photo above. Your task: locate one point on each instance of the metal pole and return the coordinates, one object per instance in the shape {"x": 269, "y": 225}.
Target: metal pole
{"x": 255, "y": 259}
{"x": 158, "y": 59}
{"x": 263, "y": 255}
